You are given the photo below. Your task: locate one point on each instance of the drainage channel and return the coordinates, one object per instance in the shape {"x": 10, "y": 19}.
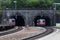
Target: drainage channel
{"x": 49, "y": 30}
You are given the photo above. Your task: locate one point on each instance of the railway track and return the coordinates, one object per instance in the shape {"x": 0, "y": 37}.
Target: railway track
{"x": 12, "y": 31}
{"x": 49, "y": 30}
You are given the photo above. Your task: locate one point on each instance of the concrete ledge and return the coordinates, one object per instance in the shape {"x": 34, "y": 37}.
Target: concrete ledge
{"x": 53, "y": 36}
{"x": 57, "y": 24}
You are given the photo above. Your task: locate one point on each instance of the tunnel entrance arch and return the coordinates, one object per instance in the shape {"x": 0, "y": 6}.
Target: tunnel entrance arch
{"x": 42, "y": 21}
{"x": 19, "y": 19}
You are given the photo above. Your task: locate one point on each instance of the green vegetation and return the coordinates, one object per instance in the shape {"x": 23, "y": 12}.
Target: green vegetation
{"x": 57, "y": 1}
{"x": 57, "y": 26}
{"x": 28, "y": 3}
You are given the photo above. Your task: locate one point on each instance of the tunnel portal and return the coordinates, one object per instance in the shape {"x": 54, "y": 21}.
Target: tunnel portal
{"x": 19, "y": 20}
{"x": 42, "y": 21}
{"x": 31, "y": 17}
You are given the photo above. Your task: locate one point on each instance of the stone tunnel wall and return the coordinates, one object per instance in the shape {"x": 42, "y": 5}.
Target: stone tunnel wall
{"x": 29, "y": 15}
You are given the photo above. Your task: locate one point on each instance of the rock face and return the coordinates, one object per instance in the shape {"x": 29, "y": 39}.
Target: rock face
{"x": 29, "y": 16}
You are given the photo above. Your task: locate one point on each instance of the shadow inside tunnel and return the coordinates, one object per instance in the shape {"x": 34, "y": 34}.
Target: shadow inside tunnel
{"x": 42, "y": 21}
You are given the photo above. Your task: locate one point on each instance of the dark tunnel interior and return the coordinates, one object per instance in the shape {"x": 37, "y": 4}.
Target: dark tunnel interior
{"x": 45, "y": 18}
{"x": 19, "y": 20}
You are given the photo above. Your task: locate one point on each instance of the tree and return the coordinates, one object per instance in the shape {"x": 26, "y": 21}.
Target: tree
{"x": 28, "y": 3}
{"x": 39, "y": 3}
{"x": 6, "y": 3}
{"x": 57, "y": 1}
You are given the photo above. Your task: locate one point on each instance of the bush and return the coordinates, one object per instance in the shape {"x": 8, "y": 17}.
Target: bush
{"x": 29, "y": 3}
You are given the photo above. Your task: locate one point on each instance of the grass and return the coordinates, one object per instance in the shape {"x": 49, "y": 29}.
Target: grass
{"x": 57, "y": 26}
